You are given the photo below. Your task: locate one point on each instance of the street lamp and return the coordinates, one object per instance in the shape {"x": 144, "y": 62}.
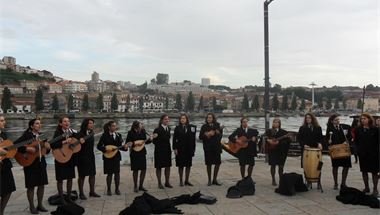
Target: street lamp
{"x": 266, "y": 59}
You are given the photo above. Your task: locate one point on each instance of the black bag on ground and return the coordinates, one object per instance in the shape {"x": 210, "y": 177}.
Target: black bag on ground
{"x": 234, "y": 193}
{"x": 350, "y": 195}
{"x": 244, "y": 187}
{"x": 56, "y": 199}
{"x": 69, "y": 209}
{"x": 290, "y": 183}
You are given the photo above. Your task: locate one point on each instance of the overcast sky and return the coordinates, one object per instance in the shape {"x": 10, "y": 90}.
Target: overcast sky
{"x": 325, "y": 41}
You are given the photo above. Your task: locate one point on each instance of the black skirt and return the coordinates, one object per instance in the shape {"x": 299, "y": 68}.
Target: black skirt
{"x": 7, "y": 182}
{"x": 86, "y": 165}
{"x": 184, "y": 160}
{"x": 138, "y": 161}
{"x": 212, "y": 157}
{"x": 277, "y": 157}
{"x": 369, "y": 164}
{"x": 162, "y": 160}
{"x": 36, "y": 174}
{"x": 111, "y": 166}
{"x": 64, "y": 171}
{"x": 343, "y": 162}
{"x": 246, "y": 158}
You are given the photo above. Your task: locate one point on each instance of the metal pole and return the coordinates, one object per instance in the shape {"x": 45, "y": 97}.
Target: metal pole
{"x": 363, "y": 99}
{"x": 266, "y": 59}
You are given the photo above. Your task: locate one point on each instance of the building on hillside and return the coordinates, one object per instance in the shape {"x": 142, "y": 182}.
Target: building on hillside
{"x": 74, "y": 86}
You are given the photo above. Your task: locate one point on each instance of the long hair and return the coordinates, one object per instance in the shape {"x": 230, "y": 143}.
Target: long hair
{"x": 84, "y": 125}
{"x": 186, "y": 116}
{"x": 59, "y": 127}
{"x": 106, "y": 126}
{"x": 135, "y": 125}
{"x": 331, "y": 119}
{"x": 213, "y": 118}
{"x": 369, "y": 117}
{"x": 279, "y": 122}
{"x": 30, "y": 124}
{"x": 162, "y": 119}
{"x": 314, "y": 120}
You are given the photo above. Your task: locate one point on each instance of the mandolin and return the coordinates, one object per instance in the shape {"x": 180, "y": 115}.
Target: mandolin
{"x": 111, "y": 151}
{"x": 272, "y": 142}
{"x": 11, "y": 148}
{"x": 234, "y": 147}
{"x": 139, "y": 145}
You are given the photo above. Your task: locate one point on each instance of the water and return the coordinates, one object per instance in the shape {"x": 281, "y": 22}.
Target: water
{"x": 15, "y": 128}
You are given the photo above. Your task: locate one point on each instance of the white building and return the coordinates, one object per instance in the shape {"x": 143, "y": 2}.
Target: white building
{"x": 73, "y": 86}
{"x": 180, "y": 88}
{"x": 205, "y": 82}
{"x": 55, "y": 88}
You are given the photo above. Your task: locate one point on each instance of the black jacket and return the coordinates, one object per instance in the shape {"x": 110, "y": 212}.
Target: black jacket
{"x": 106, "y": 139}
{"x": 184, "y": 139}
{"x": 309, "y": 136}
{"x": 212, "y": 143}
{"x": 252, "y": 146}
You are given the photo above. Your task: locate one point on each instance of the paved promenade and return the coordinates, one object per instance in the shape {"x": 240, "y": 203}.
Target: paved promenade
{"x": 265, "y": 201}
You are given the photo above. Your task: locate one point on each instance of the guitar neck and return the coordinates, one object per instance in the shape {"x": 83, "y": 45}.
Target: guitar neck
{"x": 18, "y": 145}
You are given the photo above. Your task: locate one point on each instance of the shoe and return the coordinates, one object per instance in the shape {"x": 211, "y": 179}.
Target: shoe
{"x": 343, "y": 186}
{"x": 42, "y": 209}
{"x": 168, "y": 185}
{"x": 188, "y": 184}
{"x": 109, "y": 193}
{"x": 136, "y": 190}
{"x": 274, "y": 183}
{"x": 181, "y": 184}
{"x": 375, "y": 193}
{"x": 117, "y": 192}
{"x": 33, "y": 211}
{"x": 143, "y": 189}
{"x": 209, "y": 183}
{"x": 215, "y": 182}
{"x": 82, "y": 197}
{"x": 160, "y": 186}
{"x": 366, "y": 190}
{"x": 335, "y": 186}
{"x": 94, "y": 195}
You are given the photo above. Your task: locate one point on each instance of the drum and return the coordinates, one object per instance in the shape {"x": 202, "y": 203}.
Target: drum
{"x": 312, "y": 159}
{"x": 339, "y": 151}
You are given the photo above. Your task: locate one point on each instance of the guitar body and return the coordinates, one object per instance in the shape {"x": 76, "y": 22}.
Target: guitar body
{"x": 138, "y": 145}
{"x": 11, "y": 152}
{"x": 26, "y": 159}
{"x": 111, "y": 151}
{"x": 234, "y": 147}
{"x": 64, "y": 154}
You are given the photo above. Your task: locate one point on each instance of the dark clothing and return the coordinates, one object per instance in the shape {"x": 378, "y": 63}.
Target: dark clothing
{"x": 35, "y": 174}
{"x": 246, "y": 155}
{"x": 184, "y": 143}
{"x": 111, "y": 165}
{"x": 63, "y": 171}
{"x": 310, "y": 136}
{"x": 162, "y": 150}
{"x": 367, "y": 143}
{"x": 86, "y": 156}
{"x": 350, "y": 195}
{"x": 138, "y": 159}
{"x": 7, "y": 182}
{"x": 278, "y": 155}
{"x": 211, "y": 146}
{"x": 338, "y": 136}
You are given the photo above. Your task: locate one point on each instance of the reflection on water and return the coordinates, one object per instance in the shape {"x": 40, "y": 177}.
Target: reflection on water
{"x": 16, "y": 127}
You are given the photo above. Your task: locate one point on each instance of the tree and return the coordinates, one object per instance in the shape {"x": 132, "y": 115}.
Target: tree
{"x": 245, "y": 103}
{"x": 128, "y": 103}
{"x": 114, "y": 102}
{"x": 162, "y": 78}
{"x": 293, "y": 105}
{"x": 39, "y": 100}
{"x": 320, "y": 103}
{"x": 284, "y": 104}
{"x": 214, "y": 103}
{"x": 200, "y": 105}
{"x": 303, "y": 105}
{"x": 275, "y": 102}
{"x": 55, "y": 103}
{"x": 344, "y": 104}
{"x": 70, "y": 102}
{"x": 336, "y": 104}
{"x": 328, "y": 104}
{"x": 141, "y": 104}
{"x": 166, "y": 102}
{"x": 178, "y": 102}
{"x": 359, "y": 105}
{"x": 256, "y": 104}
{"x": 6, "y": 102}
{"x": 190, "y": 102}
{"x": 85, "y": 103}
{"x": 99, "y": 102}
{"x": 276, "y": 88}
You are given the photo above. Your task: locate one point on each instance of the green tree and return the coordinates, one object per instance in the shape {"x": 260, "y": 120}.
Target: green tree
{"x": 178, "y": 102}
{"x": 344, "y": 104}
{"x": 6, "y": 102}
{"x": 284, "y": 104}
{"x": 166, "y": 102}
{"x": 245, "y": 103}
{"x": 328, "y": 104}
{"x": 162, "y": 78}
{"x": 70, "y": 102}
{"x": 141, "y": 104}
{"x": 256, "y": 104}
{"x": 114, "y": 102}
{"x": 85, "y": 103}
{"x": 303, "y": 105}
{"x": 55, "y": 103}
{"x": 336, "y": 104}
{"x": 190, "y": 102}
{"x": 293, "y": 105}
{"x": 214, "y": 106}
{"x": 99, "y": 102}
{"x": 200, "y": 105}
{"x": 39, "y": 100}
{"x": 275, "y": 102}
{"x": 359, "y": 104}
{"x": 320, "y": 103}
{"x": 128, "y": 103}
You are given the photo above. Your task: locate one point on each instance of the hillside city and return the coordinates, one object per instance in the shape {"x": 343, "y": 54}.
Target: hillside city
{"x": 25, "y": 90}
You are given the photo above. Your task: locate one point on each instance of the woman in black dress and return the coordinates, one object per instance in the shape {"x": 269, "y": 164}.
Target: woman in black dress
{"x": 111, "y": 166}
{"x": 7, "y": 182}
{"x": 246, "y": 155}
{"x": 86, "y": 158}
{"x": 35, "y": 174}
{"x": 64, "y": 171}
{"x": 184, "y": 147}
{"x": 162, "y": 151}
{"x": 367, "y": 143}
{"x": 337, "y": 133}
{"x": 138, "y": 158}
{"x": 277, "y": 149}
{"x": 211, "y": 134}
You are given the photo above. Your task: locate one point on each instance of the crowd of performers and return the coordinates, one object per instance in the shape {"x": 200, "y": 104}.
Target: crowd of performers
{"x": 363, "y": 136}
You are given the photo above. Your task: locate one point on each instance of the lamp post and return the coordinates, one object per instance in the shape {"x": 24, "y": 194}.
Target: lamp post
{"x": 266, "y": 59}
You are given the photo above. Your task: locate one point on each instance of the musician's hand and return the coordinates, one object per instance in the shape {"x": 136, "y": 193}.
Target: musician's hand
{"x": 68, "y": 140}
{"x": 217, "y": 132}
{"x": 254, "y": 139}
{"x": 329, "y": 142}
{"x": 81, "y": 140}
{"x": 320, "y": 146}
{"x": 47, "y": 145}
{"x": 30, "y": 149}
{"x": 129, "y": 144}
{"x": 175, "y": 151}
{"x": 306, "y": 146}
{"x": 2, "y": 151}
{"x": 126, "y": 147}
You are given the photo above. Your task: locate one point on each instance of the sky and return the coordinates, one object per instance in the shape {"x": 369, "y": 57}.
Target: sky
{"x": 322, "y": 41}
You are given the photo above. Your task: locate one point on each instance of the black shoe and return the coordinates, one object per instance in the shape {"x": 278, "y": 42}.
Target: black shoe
{"x": 160, "y": 186}
{"x": 82, "y": 197}
{"x": 136, "y": 190}
{"x": 215, "y": 182}
{"x": 117, "y": 192}
{"x": 209, "y": 183}
{"x": 141, "y": 188}
{"x": 336, "y": 186}
{"x": 188, "y": 184}
{"x": 94, "y": 195}
{"x": 109, "y": 193}
{"x": 33, "y": 211}
{"x": 366, "y": 190}
{"x": 42, "y": 209}
{"x": 181, "y": 184}
{"x": 168, "y": 185}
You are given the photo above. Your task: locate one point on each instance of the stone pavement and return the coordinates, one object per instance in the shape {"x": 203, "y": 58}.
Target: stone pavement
{"x": 265, "y": 201}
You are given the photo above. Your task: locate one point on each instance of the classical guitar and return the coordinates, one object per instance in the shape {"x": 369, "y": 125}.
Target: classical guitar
{"x": 64, "y": 154}
{"x": 272, "y": 142}
{"x": 27, "y": 158}
{"x": 11, "y": 148}
{"x": 234, "y": 147}
{"x": 138, "y": 145}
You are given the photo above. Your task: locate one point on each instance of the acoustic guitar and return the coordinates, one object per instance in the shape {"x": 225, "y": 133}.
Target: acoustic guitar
{"x": 111, "y": 150}
{"x": 64, "y": 154}
{"x": 272, "y": 143}
{"x": 234, "y": 147}
{"x": 26, "y": 159}
{"x": 138, "y": 145}
{"x": 11, "y": 148}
